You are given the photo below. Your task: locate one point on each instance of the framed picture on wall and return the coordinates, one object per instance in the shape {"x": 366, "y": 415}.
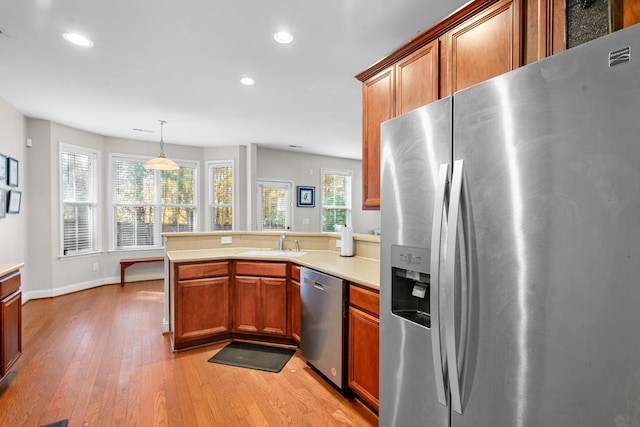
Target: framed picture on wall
{"x": 306, "y": 197}
{"x": 12, "y": 172}
{"x": 15, "y": 196}
{"x": 3, "y": 167}
{"x": 3, "y": 202}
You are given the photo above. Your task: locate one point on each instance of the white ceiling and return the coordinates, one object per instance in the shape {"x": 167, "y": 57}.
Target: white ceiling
{"x": 181, "y": 61}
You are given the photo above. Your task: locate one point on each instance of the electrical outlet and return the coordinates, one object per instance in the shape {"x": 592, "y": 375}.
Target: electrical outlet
{"x": 338, "y": 243}
{"x": 96, "y": 266}
{"x": 227, "y": 240}
{"x": 306, "y": 221}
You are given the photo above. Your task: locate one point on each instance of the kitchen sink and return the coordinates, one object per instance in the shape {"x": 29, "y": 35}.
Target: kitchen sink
{"x": 272, "y": 253}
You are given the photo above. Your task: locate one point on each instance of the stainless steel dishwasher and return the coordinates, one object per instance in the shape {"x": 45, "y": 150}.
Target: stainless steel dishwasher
{"x": 322, "y": 324}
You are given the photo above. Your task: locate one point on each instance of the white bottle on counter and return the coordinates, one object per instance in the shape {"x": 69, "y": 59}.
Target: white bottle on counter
{"x": 346, "y": 248}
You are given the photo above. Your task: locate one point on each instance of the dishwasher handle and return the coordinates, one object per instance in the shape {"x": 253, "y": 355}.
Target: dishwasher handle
{"x": 316, "y": 285}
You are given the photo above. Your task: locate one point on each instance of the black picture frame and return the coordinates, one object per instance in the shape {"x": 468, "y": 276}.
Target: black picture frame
{"x": 3, "y": 203}
{"x": 3, "y": 167}
{"x": 13, "y": 205}
{"x": 12, "y": 172}
{"x": 306, "y": 197}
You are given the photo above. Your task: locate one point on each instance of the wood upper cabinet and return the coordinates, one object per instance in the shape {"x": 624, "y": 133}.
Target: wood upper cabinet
{"x": 485, "y": 46}
{"x": 626, "y": 13}
{"x": 480, "y": 41}
{"x": 259, "y": 302}
{"x": 407, "y": 85}
{"x": 364, "y": 344}
{"x": 417, "y": 78}
{"x": 378, "y": 95}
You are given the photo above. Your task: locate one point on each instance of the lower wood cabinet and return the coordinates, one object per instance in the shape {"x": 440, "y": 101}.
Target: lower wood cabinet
{"x": 294, "y": 303}
{"x": 364, "y": 344}
{"x": 10, "y": 321}
{"x": 260, "y": 298}
{"x": 200, "y": 306}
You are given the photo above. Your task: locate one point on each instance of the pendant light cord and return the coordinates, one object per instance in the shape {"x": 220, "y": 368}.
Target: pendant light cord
{"x": 162, "y": 122}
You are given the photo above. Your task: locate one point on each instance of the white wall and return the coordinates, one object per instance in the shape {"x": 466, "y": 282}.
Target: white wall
{"x": 305, "y": 169}
{"x": 13, "y": 228}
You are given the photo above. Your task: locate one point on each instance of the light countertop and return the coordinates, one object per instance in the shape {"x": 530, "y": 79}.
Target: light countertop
{"x": 364, "y": 271}
{"x": 10, "y": 268}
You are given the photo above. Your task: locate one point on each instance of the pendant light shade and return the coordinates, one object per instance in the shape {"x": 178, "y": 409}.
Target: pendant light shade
{"x": 161, "y": 162}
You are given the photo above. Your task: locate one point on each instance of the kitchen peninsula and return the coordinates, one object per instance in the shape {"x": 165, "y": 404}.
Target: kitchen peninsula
{"x": 235, "y": 285}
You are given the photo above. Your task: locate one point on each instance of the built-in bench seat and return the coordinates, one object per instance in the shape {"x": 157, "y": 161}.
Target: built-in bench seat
{"x": 124, "y": 263}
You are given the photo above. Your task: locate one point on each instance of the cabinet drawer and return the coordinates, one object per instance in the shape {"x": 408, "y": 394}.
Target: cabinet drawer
{"x": 198, "y": 271}
{"x": 295, "y": 272}
{"x": 271, "y": 269}
{"x": 9, "y": 284}
{"x": 365, "y": 299}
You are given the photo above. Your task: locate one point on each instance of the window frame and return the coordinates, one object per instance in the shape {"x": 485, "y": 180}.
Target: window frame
{"x": 96, "y": 155}
{"x": 274, "y": 183}
{"x": 349, "y": 195}
{"x": 157, "y": 225}
{"x": 211, "y": 188}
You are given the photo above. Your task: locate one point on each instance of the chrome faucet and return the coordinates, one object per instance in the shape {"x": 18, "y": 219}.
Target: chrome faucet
{"x": 281, "y": 244}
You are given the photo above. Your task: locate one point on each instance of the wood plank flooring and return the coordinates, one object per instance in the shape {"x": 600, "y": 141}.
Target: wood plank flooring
{"x": 99, "y": 358}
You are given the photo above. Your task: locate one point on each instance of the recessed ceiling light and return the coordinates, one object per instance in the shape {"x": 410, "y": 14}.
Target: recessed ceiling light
{"x": 283, "y": 37}
{"x": 77, "y": 39}
{"x": 247, "y": 81}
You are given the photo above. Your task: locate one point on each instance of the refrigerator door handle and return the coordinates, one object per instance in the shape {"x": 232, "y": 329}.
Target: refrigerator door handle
{"x": 450, "y": 288}
{"x": 439, "y": 212}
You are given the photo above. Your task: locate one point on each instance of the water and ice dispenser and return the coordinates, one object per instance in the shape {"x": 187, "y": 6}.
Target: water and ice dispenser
{"x": 410, "y": 284}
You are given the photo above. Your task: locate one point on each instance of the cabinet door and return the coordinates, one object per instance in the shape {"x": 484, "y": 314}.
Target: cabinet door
{"x": 484, "y": 46}
{"x": 11, "y": 334}
{"x": 417, "y": 79}
{"x": 364, "y": 355}
{"x": 246, "y": 304}
{"x": 378, "y": 105}
{"x": 202, "y": 308}
{"x": 294, "y": 307}
{"x": 274, "y": 306}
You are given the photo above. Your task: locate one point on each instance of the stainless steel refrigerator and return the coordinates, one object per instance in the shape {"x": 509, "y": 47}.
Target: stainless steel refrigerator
{"x": 510, "y": 248}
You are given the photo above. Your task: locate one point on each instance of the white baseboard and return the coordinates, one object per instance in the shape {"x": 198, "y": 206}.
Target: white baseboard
{"x": 82, "y": 286}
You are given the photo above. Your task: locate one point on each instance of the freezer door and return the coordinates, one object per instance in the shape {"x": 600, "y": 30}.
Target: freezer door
{"x": 552, "y": 163}
{"x": 413, "y": 146}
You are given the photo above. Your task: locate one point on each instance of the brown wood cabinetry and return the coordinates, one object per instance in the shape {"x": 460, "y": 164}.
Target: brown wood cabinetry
{"x": 484, "y": 46}
{"x": 409, "y": 84}
{"x": 260, "y": 298}
{"x": 484, "y": 39}
{"x": 294, "y": 303}
{"x": 626, "y": 13}
{"x": 10, "y": 321}
{"x": 200, "y": 308}
{"x": 364, "y": 344}
{"x": 378, "y": 105}
{"x": 417, "y": 78}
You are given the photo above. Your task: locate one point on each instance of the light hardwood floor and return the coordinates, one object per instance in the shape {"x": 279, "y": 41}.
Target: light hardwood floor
{"x": 99, "y": 358}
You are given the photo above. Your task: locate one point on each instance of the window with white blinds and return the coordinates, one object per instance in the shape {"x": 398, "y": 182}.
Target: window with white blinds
{"x": 274, "y": 205}
{"x": 147, "y": 202}
{"x": 336, "y": 199}
{"x": 79, "y": 200}
{"x": 220, "y": 195}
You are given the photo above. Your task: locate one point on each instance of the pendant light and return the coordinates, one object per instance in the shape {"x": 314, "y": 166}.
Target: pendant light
{"x": 161, "y": 162}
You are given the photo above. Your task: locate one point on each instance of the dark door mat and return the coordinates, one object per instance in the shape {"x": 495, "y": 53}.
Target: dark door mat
{"x": 61, "y": 423}
{"x": 253, "y": 356}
